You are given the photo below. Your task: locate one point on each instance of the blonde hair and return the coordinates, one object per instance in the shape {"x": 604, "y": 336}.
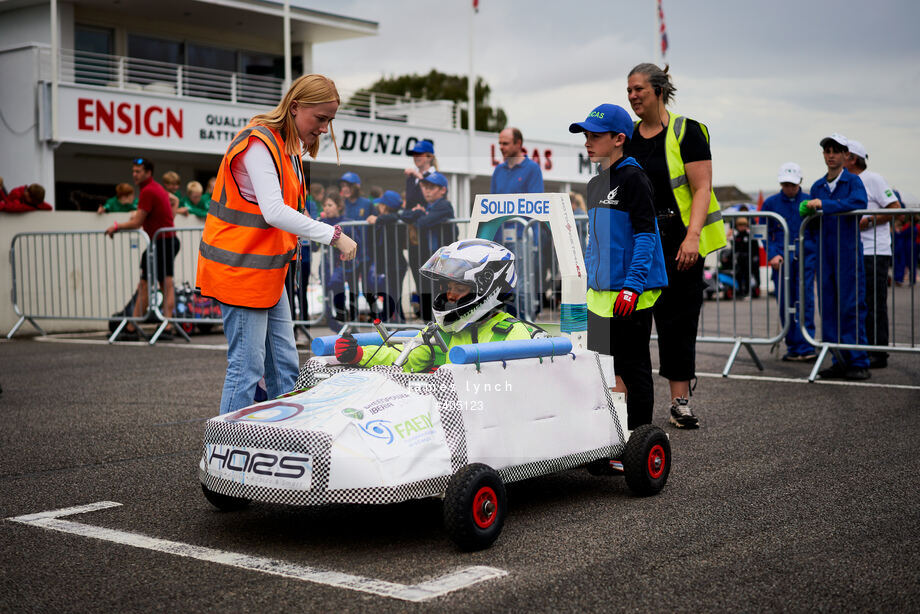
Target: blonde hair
{"x": 579, "y": 201}
{"x": 194, "y": 186}
{"x": 308, "y": 90}
{"x": 170, "y": 177}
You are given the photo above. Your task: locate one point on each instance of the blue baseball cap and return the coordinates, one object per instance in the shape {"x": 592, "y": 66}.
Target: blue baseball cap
{"x": 391, "y": 199}
{"x": 437, "y": 179}
{"x": 351, "y": 178}
{"x": 421, "y": 147}
{"x": 606, "y": 118}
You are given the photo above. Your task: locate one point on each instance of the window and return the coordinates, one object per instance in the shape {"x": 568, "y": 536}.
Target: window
{"x": 208, "y": 83}
{"x": 153, "y": 61}
{"x": 93, "y": 64}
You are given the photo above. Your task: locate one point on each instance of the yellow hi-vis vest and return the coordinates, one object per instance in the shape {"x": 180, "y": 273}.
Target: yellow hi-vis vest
{"x": 712, "y": 236}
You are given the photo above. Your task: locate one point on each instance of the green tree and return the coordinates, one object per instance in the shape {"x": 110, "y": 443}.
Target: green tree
{"x": 439, "y": 86}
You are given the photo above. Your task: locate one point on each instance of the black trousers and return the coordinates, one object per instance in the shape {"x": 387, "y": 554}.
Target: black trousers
{"x": 877, "y": 301}
{"x": 627, "y": 340}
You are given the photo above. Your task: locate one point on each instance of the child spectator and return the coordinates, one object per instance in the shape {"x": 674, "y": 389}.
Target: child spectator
{"x": 388, "y": 263}
{"x": 315, "y": 199}
{"x": 195, "y": 202}
{"x": 23, "y": 199}
{"x": 624, "y": 260}
{"x": 334, "y": 270}
{"x": 123, "y": 200}
{"x": 747, "y": 257}
{"x": 357, "y": 208}
{"x": 210, "y": 189}
{"x": 432, "y": 231}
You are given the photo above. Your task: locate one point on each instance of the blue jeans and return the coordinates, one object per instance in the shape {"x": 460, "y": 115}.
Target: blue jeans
{"x": 260, "y": 343}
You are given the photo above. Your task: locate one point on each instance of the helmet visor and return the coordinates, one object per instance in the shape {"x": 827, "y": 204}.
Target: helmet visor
{"x": 442, "y": 265}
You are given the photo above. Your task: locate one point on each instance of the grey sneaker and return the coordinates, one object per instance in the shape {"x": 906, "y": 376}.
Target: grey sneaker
{"x": 682, "y": 416}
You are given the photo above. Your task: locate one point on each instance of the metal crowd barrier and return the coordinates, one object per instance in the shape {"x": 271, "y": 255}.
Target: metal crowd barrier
{"x": 84, "y": 275}
{"x": 742, "y": 305}
{"x": 383, "y": 280}
{"x": 80, "y": 275}
{"x": 848, "y": 273}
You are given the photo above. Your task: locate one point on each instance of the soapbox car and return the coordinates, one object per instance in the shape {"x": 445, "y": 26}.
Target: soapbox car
{"x": 501, "y": 412}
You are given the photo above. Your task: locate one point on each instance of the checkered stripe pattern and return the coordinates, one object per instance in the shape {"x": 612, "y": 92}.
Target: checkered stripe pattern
{"x": 318, "y": 445}
{"x": 315, "y": 444}
{"x": 619, "y": 448}
{"x": 552, "y": 465}
{"x": 313, "y": 372}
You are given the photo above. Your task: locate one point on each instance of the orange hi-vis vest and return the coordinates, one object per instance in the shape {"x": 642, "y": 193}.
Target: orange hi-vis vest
{"x": 242, "y": 261}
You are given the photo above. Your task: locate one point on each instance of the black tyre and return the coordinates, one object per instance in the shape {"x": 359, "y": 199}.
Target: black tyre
{"x": 647, "y": 460}
{"x": 224, "y": 503}
{"x": 475, "y": 507}
{"x": 204, "y": 329}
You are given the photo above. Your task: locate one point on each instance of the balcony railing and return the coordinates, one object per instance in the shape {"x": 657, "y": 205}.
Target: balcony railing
{"x": 133, "y": 74}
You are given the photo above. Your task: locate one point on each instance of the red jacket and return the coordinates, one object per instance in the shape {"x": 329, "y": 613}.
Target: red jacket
{"x": 15, "y": 202}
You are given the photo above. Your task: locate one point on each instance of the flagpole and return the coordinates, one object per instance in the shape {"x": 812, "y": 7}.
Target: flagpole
{"x": 471, "y": 112}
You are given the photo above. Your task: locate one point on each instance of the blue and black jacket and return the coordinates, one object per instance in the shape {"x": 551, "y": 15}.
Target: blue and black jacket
{"x": 624, "y": 247}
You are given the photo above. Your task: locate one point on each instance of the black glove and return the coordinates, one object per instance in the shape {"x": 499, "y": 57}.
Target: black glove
{"x": 347, "y": 350}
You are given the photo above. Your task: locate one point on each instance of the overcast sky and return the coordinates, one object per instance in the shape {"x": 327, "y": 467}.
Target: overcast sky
{"x": 770, "y": 79}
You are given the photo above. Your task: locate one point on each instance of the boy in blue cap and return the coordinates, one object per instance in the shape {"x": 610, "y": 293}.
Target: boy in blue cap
{"x": 623, "y": 257}
{"x": 388, "y": 265}
{"x": 433, "y": 232}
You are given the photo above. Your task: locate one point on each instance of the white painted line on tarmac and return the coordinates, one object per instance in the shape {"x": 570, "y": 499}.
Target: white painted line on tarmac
{"x": 423, "y": 591}
{"x": 65, "y": 338}
{"x": 793, "y": 380}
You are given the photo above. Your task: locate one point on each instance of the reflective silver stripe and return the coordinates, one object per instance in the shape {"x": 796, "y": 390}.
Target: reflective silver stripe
{"x": 678, "y": 181}
{"x": 248, "y": 261}
{"x": 279, "y": 156}
{"x": 221, "y": 211}
{"x": 242, "y": 136}
{"x": 712, "y": 218}
{"x": 678, "y": 126}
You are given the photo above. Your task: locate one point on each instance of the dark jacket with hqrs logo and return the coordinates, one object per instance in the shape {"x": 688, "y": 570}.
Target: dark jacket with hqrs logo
{"x": 624, "y": 248}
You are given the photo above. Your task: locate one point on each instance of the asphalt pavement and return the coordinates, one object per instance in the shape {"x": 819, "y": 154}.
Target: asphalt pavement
{"x": 791, "y": 497}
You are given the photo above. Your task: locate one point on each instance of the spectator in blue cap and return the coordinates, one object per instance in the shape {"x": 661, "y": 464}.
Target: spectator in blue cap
{"x": 357, "y": 208}
{"x": 388, "y": 263}
{"x": 623, "y": 257}
{"x": 424, "y": 164}
{"x": 432, "y": 232}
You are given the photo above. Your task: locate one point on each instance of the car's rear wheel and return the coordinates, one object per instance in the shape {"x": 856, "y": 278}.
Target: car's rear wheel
{"x": 224, "y": 503}
{"x": 647, "y": 460}
{"x": 475, "y": 506}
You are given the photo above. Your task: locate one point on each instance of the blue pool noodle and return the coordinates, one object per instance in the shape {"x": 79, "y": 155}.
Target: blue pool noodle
{"x": 510, "y": 350}
{"x": 325, "y": 346}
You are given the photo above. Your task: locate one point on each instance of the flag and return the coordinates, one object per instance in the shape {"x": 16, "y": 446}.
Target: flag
{"x": 475, "y": 6}
{"x": 760, "y": 201}
{"x": 661, "y": 29}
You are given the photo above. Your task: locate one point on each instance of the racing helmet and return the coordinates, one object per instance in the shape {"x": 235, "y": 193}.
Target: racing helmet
{"x": 485, "y": 267}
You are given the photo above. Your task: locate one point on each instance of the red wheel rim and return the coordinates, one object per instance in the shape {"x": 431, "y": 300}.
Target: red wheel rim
{"x": 656, "y": 461}
{"x": 485, "y": 507}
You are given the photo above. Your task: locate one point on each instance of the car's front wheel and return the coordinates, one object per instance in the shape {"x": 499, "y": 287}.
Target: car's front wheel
{"x": 475, "y": 506}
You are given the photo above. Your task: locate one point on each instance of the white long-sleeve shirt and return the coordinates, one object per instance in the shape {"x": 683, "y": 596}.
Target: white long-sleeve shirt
{"x": 258, "y": 181}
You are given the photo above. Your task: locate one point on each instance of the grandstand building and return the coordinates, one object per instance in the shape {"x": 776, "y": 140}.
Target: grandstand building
{"x": 91, "y": 84}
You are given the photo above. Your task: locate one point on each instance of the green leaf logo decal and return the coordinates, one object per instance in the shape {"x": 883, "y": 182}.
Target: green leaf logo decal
{"x": 354, "y": 414}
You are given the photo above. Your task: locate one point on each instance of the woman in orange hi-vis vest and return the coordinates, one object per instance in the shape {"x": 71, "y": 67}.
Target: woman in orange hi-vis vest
{"x": 251, "y": 233}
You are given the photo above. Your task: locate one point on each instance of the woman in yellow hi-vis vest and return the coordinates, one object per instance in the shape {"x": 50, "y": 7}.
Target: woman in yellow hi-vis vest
{"x": 251, "y": 233}
{"x": 674, "y": 151}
